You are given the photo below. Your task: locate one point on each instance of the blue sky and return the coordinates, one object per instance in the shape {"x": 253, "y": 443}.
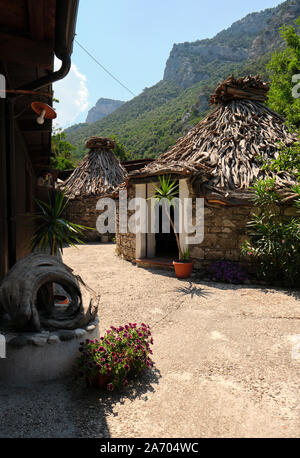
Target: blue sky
{"x": 133, "y": 39}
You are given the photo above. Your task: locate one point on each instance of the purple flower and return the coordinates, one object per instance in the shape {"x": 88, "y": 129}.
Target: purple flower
{"x": 125, "y": 383}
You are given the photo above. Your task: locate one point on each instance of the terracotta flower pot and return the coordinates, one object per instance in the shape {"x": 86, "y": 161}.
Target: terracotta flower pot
{"x": 183, "y": 269}
{"x": 99, "y": 381}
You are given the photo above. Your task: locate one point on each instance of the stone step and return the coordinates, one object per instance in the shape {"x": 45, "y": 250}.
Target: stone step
{"x": 155, "y": 263}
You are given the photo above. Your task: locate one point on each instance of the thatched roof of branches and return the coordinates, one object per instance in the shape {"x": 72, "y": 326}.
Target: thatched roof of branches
{"x": 99, "y": 173}
{"x": 223, "y": 151}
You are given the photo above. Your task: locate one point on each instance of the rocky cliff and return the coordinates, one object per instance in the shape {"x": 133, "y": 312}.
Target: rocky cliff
{"x": 249, "y": 38}
{"x": 102, "y": 108}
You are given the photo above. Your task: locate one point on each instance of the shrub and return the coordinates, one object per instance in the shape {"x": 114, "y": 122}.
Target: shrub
{"x": 274, "y": 241}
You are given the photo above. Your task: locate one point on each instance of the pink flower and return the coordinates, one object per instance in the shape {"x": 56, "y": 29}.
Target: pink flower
{"x": 282, "y": 241}
{"x": 110, "y": 387}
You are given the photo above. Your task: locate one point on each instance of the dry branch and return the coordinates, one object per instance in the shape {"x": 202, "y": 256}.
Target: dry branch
{"x": 224, "y": 152}
{"x": 99, "y": 174}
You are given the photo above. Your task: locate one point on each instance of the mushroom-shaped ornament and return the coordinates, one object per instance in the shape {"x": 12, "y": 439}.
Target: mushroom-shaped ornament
{"x": 44, "y": 111}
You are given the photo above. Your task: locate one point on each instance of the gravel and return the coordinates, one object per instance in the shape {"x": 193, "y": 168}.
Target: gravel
{"x": 226, "y": 361}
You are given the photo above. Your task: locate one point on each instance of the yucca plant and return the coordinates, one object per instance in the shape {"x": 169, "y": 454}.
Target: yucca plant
{"x": 53, "y": 231}
{"x": 167, "y": 192}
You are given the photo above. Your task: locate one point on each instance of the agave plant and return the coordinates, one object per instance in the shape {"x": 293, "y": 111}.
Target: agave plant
{"x": 53, "y": 231}
{"x": 167, "y": 192}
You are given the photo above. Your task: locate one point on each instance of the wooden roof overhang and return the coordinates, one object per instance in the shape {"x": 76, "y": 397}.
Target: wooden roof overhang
{"x": 229, "y": 198}
{"x": 152, "y": 177}
{"x": 28, "y": 42}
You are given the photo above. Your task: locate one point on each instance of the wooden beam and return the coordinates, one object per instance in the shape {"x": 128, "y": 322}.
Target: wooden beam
{"x": 30, "y": 125}
{"x": 40, "y": 160}
{"x": 26, "y": 51}
{"x": 36, "y": 19}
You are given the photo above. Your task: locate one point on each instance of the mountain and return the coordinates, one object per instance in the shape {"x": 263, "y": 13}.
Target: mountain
{"x": 102, "y": 108}
{"x": 151, "y": 122}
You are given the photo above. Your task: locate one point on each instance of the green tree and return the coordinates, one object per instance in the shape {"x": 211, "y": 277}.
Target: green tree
{"x": 274, "y": 240}
{"x": 62, "y": 158}
{"x": 283, "y": 66}
{"x": 120, "y": 150}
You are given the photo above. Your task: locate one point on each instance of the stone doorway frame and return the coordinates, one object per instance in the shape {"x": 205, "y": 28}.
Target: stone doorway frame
{"x": 145, "y": 243}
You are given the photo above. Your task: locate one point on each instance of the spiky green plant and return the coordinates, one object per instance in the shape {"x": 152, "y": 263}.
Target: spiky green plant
{"x": 167, "y": 192}
{"x": 52, "y": 230}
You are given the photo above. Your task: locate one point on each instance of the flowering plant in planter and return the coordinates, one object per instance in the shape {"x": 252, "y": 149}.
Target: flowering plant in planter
{"x": 121, "y": 354}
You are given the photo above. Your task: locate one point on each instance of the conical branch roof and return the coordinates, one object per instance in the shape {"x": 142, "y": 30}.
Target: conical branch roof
{"x": 100, "y": 173}
{"x": 225, "y": 150}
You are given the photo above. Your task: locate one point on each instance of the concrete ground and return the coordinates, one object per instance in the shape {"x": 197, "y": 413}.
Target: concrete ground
{"x": 227, "y": 361}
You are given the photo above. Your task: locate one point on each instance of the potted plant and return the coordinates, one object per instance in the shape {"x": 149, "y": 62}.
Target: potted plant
{"x": 122, "y": 353}
{"x": 167, "y": 192}
{"x": 184, "y": 266}
{"x": 53, "y": 232}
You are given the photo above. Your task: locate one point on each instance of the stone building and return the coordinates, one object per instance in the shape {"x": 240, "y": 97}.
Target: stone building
{"x": 99, "y": 175}
{"x": 217, "y": 160}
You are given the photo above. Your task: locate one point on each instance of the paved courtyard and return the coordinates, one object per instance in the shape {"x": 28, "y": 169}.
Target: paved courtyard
{"x": 227, "y": 361}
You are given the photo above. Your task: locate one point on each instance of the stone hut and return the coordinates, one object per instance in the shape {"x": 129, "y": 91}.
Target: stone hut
{"x": 100, "y": 174}
{"x": 217, "y": 160}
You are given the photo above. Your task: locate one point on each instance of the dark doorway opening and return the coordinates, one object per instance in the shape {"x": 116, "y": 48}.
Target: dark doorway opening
{"x": 165, "y": 243}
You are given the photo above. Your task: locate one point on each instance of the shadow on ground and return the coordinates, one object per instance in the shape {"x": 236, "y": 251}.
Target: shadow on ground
{"x": 192, "y": 290}
{"x": 90, "y": 406}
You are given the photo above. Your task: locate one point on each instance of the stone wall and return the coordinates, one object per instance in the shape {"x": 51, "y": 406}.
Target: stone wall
{"x": 224, "y": 232}
{"x": 126, "y": 242}
{"x": 83, "y": 211}
{"x": 225, "y": 229}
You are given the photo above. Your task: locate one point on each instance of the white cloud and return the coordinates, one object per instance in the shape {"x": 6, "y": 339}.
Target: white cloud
{"x": 73, "y": 96}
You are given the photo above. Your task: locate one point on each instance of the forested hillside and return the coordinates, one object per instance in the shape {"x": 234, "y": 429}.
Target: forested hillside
{"x": 151, "y": 122}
